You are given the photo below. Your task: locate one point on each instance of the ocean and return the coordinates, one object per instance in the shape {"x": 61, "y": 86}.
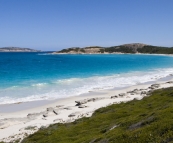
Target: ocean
{"x": 42, "y": 76}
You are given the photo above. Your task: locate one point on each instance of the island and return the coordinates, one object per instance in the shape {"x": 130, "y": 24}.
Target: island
{"x": 17, "y": 49}
{"x": 132, "y": 48}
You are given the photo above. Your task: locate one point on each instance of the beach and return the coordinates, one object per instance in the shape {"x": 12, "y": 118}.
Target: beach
{"x": 37, "y": 90}
{"x": 21, "y": 119}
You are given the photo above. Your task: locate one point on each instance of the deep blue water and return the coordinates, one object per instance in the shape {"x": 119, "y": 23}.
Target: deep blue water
{"x": 37, "y": 76}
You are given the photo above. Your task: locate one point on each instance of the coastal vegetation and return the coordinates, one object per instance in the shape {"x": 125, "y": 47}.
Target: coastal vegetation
{"x": 126, "y": 48}
{"x": 137, "y": 121}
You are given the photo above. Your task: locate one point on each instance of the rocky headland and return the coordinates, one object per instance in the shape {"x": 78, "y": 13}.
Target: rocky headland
{"x": 132, "y": 48}
{"x": 17, "y": 49}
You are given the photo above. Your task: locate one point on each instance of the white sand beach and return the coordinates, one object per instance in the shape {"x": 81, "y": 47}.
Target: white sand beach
{"x": 19, "y": 120}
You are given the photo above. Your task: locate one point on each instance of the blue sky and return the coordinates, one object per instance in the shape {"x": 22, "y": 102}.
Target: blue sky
{"x": 57, "y": 24}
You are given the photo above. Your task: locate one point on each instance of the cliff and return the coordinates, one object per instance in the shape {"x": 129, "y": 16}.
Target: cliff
{"x": 17, "y": 49}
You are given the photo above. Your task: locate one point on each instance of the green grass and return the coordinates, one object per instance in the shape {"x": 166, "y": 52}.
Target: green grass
{"x": 149, "y": 120}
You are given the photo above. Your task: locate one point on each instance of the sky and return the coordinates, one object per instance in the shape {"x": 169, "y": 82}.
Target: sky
{"x": 57, "y": 24}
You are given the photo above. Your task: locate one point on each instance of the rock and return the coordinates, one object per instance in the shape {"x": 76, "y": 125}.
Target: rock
{"x": 30, "y": 128}
{"x": 135, "y": 98}
{"x": 4, "y": 125}
{"x": 43, "y": 127}
{"x": 169, "y": 82}
{"x": 122, "y": 94}
{"x": 73, "y": 114}
{"x": 94, "y": 99}
{"x": 57, "y": 120}
{"x": 143, "y": 92}
{"x": 33, "y": 115}
{"x": 56, "y": 111}
{"x": 69, "y": 120}
{"x": 115, "y": 96}
{"x": 155, "y": 85}
{"x": 82, "y": 106}
{"x": 45, "y": 115}
{"x": 59, "y": 106}
{"x": 151, "y": 87}
{"x": 113, "y": 127}
{"x": 93, "y": 141}
{"x": 129, "y": 91}
{"x": 135, "y": 90}
{"x": 68, "y": 108}
{"x": 81, "y": 102}
{"x": 50, "y": 109}
{"x": 149, "y": 92}
{"x": 141, "y": 123}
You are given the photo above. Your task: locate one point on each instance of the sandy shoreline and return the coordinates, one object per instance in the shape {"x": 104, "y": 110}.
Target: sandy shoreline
{"x": 20, "y": 120}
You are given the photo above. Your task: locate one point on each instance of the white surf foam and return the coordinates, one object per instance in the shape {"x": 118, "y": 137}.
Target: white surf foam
{"x": 76, "y": 86}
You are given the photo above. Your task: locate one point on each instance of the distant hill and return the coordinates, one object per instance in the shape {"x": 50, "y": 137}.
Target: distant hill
{"x": 17, "y": 49}
{"x": 126, "y": 48}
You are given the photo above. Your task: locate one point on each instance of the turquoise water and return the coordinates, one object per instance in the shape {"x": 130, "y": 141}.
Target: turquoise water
{"x": 40, "y": 76}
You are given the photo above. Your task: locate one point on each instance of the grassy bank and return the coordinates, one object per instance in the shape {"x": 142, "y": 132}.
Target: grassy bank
{"x": 149, "y": 120}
